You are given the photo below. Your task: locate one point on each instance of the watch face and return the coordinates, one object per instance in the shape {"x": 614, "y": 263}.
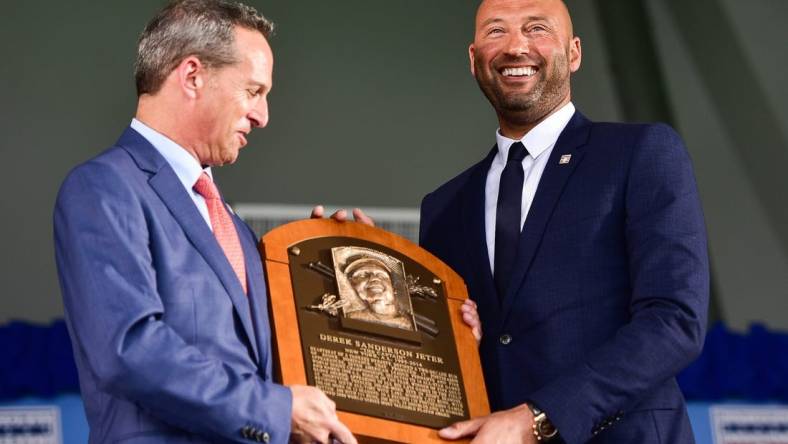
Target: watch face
{"x": 546, "y": 429}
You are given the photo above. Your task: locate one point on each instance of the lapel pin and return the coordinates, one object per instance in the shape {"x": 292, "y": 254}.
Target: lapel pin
{"x": 565, "y": 159}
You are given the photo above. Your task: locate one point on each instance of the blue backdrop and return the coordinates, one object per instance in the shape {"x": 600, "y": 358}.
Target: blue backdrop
{"x": 37, "y": 361}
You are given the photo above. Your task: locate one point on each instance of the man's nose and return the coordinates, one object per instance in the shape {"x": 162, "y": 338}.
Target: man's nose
{"x": 518, "y": 44}
{"x": 258, "y": 116}
{"x": 375, "y": 280}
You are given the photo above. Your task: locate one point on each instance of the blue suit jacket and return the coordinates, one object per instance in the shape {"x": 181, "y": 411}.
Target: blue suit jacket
{"x": 608, "y": 299}
{"x": 168, "y": 346}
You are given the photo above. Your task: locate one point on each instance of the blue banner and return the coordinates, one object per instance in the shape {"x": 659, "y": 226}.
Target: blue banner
{"x": 38, "y": 361}
{"x": 747, "y": 367}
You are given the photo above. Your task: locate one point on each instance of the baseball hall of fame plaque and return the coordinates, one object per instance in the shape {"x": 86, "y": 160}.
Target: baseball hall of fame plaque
{"x": 374, "y": 321}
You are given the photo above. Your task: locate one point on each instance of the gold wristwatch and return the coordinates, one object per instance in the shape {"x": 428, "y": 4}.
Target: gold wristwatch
{"x": 544, "y": 430}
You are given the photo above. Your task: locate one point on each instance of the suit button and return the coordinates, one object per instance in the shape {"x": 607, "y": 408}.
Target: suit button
{"x": 505, "y": 339}
{"x": 245, "y": 431}
{"x": 266, "y": 437}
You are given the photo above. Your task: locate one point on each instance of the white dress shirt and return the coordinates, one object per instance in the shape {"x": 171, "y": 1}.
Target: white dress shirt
{"x": 539, "y": 142}
{"x": 185, "y": 166}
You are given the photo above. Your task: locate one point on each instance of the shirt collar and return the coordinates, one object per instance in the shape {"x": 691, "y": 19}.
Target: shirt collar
{"x": 540, "y": 138}
{"x": 185, "y": 166}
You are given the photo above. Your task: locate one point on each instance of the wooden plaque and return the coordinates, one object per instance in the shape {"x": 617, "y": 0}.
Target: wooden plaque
{"x": 375, "y": 322}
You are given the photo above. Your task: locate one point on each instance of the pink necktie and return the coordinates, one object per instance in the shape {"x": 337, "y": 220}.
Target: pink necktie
{"x": 223, "y": 227}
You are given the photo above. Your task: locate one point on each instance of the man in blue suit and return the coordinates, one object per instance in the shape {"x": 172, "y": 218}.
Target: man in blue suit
{"x": 163, "y": 288}
{"x": 582, "y": 244}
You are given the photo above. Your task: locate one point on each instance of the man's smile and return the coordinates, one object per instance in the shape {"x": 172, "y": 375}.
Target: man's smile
{"x": 521, "y": 71}
{"x": 376, "y": 288}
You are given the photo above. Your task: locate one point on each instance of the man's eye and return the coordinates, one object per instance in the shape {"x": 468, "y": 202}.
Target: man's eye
{"x": 495, "y": 31}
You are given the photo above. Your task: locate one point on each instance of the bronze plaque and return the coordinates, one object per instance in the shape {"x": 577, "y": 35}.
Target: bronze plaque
{"x": 376, "y": 327}
{"x": 371, "y": 332}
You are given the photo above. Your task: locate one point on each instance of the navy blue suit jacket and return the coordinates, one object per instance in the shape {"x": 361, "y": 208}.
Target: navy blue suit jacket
{"x": 608, "y": 299}
{"x": 167, "y": 345}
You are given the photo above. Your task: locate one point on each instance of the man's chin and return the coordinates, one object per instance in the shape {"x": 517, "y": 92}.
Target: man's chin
{"x": 384, "y": 309}
{"x": 518, "y": 101}
{"x": 229, "y": 157}
{"x": 514, "y": 102}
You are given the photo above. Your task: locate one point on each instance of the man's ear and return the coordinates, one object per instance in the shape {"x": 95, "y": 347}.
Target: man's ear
{"x": 575, "y": 54}
{"x": 191, "y": 76}
{"x": 472, "y": 58}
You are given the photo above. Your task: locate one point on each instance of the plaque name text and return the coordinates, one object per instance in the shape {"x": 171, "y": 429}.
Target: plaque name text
{"x": 386, "y": 375}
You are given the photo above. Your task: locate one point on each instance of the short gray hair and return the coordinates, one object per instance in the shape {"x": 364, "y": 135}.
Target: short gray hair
{"x": 200, "y": 28}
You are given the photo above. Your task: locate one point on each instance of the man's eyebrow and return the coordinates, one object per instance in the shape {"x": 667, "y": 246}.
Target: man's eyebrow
{"x": 532, "y": 18}
{"x": 258, "y": 85}
{"x": 490, "y": 20}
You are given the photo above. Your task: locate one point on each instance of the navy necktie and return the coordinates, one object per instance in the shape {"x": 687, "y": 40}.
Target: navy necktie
{"x": 507, "y": 217}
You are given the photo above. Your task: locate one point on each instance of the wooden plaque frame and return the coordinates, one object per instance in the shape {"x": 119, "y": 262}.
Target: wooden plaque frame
{"x": 289, "y": 358}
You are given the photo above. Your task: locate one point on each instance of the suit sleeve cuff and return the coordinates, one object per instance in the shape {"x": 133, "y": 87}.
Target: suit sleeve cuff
{"x": 272, "y": 423}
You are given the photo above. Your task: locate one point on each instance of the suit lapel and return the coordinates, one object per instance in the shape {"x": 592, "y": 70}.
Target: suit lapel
{"x": 476, "y": 239}
{"x": 166, "y": 184}
{"x": 258, "y": 296}
{"x": 550, "y": 188}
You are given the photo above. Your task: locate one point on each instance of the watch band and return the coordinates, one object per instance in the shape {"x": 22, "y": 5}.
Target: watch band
{"x": 543, "y": 429}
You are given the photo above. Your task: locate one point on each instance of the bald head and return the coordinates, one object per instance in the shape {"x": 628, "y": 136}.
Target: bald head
{"x": 556, "y": 9}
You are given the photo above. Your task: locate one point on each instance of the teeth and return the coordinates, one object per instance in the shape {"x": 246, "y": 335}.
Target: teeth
{"x": 527, "y": 71}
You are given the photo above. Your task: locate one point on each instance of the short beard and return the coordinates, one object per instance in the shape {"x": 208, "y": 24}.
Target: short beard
{"x": 531, "y": 107}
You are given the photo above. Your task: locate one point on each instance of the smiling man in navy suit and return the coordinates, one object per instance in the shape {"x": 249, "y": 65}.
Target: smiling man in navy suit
{"x": 582, "y": 244}
{"x": 163, "y": 286}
